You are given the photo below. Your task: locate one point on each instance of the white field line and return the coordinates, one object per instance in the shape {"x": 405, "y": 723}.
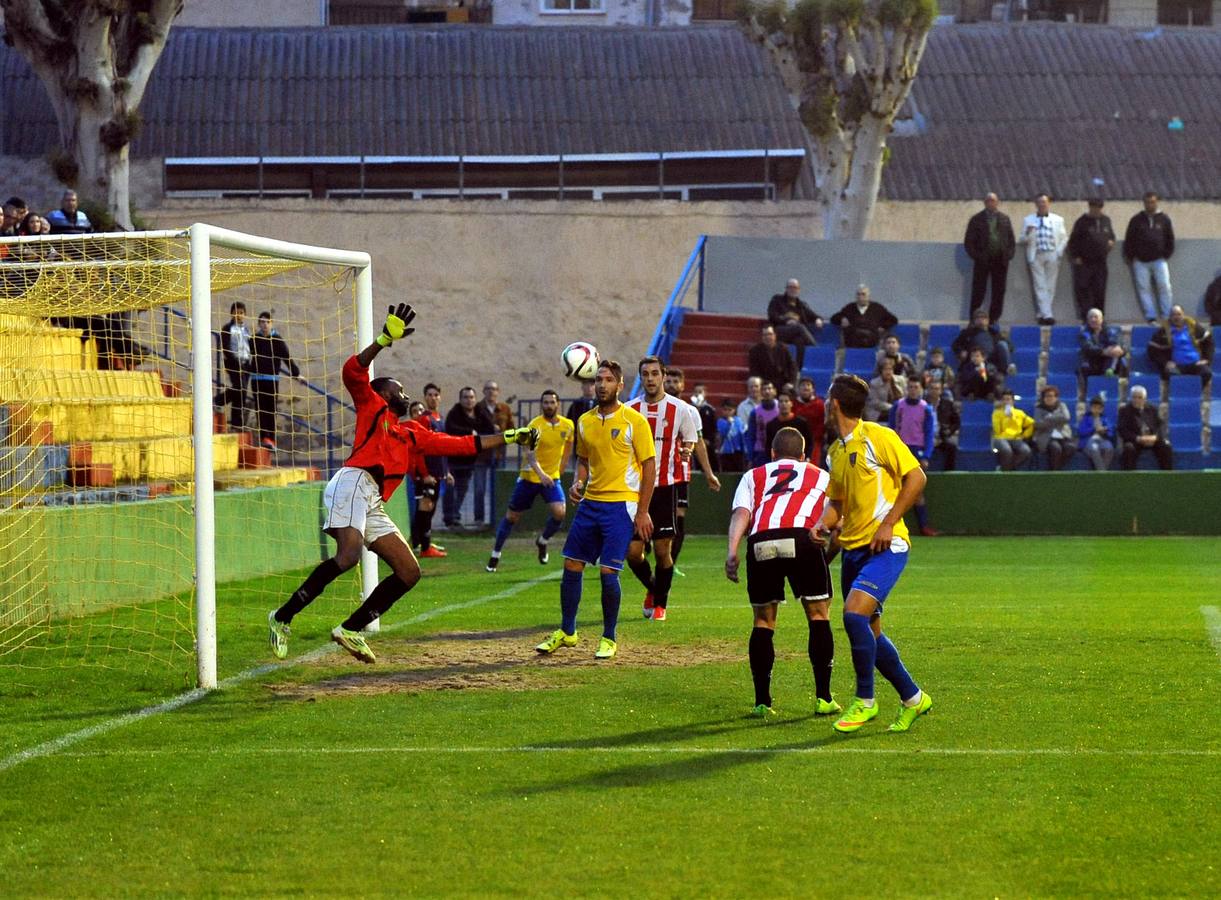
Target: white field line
{"x": 59, "y": 744}
{"x": 1212, "y": 620}
{"x": 824, "y": 750}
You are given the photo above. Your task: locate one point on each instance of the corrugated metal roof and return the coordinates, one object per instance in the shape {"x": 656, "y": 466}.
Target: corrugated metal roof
{"x": 1042, "y": 106}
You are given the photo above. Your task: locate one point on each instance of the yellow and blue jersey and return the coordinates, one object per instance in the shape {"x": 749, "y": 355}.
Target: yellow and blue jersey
{"x": 616, "y": 446}
{"x": 553, "y": 437}
{"x": 867, "y": 470}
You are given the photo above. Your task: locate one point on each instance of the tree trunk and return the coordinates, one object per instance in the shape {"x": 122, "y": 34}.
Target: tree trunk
{"x": 849, "y": 210}
{"x": 103, "y": 173}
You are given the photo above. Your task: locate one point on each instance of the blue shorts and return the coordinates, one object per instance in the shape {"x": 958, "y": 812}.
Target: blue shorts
{"x": 524, "y": 493}
{"x": 871, "y": 573}
{"x": 600, "y": 533}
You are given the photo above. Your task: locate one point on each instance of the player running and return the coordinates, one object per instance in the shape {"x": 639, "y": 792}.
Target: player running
{"x": 381, "y": 457}
{"x": 777, "y": 504}
{"x": 540, "y": 475}
{"x": 616, "y": 469}
{"x": 875, "y": 479}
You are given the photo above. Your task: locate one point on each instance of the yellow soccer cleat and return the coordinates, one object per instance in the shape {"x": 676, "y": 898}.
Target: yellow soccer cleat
{"x": 278, "y": 633}
{"x": 354, "y": 642}
{"x": 856, "y": 716}
{"x": 606, "y": 648}
{"x": 908, "y": 714}
{"x": 826, "y": 707}
{"x": 557, "y": 640}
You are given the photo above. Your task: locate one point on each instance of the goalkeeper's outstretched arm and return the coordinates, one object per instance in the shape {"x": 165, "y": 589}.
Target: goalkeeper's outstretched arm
{"x": 396, "y": 327}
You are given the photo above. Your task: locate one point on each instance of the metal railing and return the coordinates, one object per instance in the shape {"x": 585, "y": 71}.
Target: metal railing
{"x": 671, "y": 319}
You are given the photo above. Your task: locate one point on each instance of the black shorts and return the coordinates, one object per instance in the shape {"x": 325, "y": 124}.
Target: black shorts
{"x": 424, "y": 490}
{"x": 680, "y": 494}
{"x": 788, "y": 554}
{"x": 661, "y": 511}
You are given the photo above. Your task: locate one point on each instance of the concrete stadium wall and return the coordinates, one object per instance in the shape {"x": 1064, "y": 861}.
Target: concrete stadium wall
{"x": 923, "y": 281}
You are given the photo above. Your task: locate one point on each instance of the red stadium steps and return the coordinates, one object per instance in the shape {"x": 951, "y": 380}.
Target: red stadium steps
{"x": 712, "y": 349}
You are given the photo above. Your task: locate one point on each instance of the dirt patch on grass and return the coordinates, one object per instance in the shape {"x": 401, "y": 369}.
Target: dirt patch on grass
{"x": 489, "y": 660}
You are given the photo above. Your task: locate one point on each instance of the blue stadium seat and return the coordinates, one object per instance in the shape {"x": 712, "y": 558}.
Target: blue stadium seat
{"x": 1141, "y": 335}
{"x": 942, "y": 336}
{"x": 829, "y": 335}
{"x": 1186, "y": 437}
{"x": 1025, "y": 387}
{"x": 821, "y": 378}
{"x": 1140, "y": 363}
{"x": 1185, "y": 387}
{"x": 821, "y": 356}
{"x": 860, "y": 361}
{"x": 908, "y": 334}
{"x": 1184, "y": 411}
{"x": 1101, "y": 384}
{"x": 1061, "y": 360}
{"x": 1026, "y": 359}
{"x": 1026, "y": 336}
{"x": 1065, "y": 337}
{"x": 1151, "y": 383}
{"x": 976, "y": 433}
{"x": 1067, "y": 384}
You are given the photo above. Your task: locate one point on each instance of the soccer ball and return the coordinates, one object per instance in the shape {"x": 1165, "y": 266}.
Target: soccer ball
{"x": 580, "y": 360}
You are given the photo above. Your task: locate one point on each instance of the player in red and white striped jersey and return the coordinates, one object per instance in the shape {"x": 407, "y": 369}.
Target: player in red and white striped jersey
{"x": 674, "y": 432}
{"x": 675, "y": 384}
{"x": 776, "y": 507}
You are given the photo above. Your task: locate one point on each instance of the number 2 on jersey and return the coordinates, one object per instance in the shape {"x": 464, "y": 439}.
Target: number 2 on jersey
{"x": 784, "y": 477}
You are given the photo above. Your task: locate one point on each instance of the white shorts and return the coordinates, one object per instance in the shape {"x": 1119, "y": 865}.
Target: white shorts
{"x": 352, "y": 500}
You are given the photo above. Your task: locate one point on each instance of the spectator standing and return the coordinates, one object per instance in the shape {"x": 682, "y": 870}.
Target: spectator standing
{"x": 792, "y": 317}
{"x": 465, "y": 417}
{"x": 438, "y": 470}
{"x": 236, "y": 357}
{"x": 914, "y": 420}
{"x": 1011, "y": 430}
{"x": 863, "y": 322}
{"x": 771, "y": 360}
{"x": 14, "y": 212}
{"x": 990, "y": 243}
{"x": 885, "y": 390}
{"x": 731, "y": 438}
{"x": 788, "y": 418}
{"x": 754, "y": 396}
{"x": 986, "y": 336}
{"x": 1148, "y": 245}
{"x": 269, "y": 355}
{"x": 1141, "y": 428}
{"x": 699, "y": 399}
{"x": 949, "y": 423}
{"x": 811, "y": 407}
{"x": 978, "y": 378}
{"x": 68, "y": 219}
{"x": 1045, "y": 237}
{"x": 1182, "y": 346}
{"x": 1088, "y": 247}
{"x": 1095, "y": 435}
{"x": 903, "y": 364}
{"x": 1102, "y": 350}
{"x": 1053, "y": 430}
{"x": 937, "y": 371}
{"x": 582, "y": 404}
{"x": 488, "y": 461}
{"x": 756, "y": 431}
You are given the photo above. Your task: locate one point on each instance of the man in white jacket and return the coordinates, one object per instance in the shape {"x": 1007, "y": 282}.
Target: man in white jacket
{"x": 1045, "y": 237}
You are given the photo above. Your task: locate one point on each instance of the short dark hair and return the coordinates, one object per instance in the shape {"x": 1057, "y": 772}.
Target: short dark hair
{"x": 463, "y": 390}
{"x": 790, "y": 397}
{"x": 851, "y": 392}
{"x": 548, "y": 393}
{"x": 648, "y": 361}
{"x": 613, "y": 367}
{"x": 789, "y": 444}
{"x": 378, "y": 383}
{"x": 1151, "y": 195}
{"x": 805, "y": 379}
{"x": 676, "y": 372}
{"x": 235, "y": 306}
{"x": 264, "y": 315}
{"x": 936, "y": 350}
{"x": 1008, "y": 392}
{"x": 16, "y": 202}
{"x": 726, "y": 403}
{"x": 431, "y": 387}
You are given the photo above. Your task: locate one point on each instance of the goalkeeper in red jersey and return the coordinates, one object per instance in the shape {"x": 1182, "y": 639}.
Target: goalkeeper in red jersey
{"x": 382, "y": 454}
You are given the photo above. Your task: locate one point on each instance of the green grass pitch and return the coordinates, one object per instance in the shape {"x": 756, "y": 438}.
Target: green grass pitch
{"x": 1074, "y": 748}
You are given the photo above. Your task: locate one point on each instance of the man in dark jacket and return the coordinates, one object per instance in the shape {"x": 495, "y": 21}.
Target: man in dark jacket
{"x": 1212, "y": 301}
{"x": 1148, "y": 245}
{"x": 269, "y": 355}
{"x": 1088, "y": 246}
{"x": 235, "y": 359}
{"x": 465, "y": 417}
{"x": 771, "y": 360}
{"x": 990, "y": 243}
{"x": 1140, "y": 428}
{"x": 949, "y": 423}
{"x": 987, "y": 337}
{"x": 864, "y": 322}
{"x": 793, "y": 320}
{"x": 1182, "y": 346}
{"x": 1102, "y": 351}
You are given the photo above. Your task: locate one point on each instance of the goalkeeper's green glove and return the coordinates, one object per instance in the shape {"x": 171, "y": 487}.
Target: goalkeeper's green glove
{"x": 397, "y": 321}
{"x": 527, "y": 436}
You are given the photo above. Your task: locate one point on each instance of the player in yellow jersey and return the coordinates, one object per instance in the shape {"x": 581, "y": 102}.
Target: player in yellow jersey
{"x": 875, "y": 479}
{"x": 616, "y": 470}
{"x": 540, "y": 475}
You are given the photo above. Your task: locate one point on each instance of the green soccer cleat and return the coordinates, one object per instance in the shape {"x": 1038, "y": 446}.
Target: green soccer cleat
{"x": 278, "y": 636}
{"x": 763, "y": 711}
{"x": 856, "y": 716}
{"x": 826, "y": 707}
{"x": 606, "y": 648}
{"x": 354, "y": 643}
{"x": 557, "y": 640}
{"x": 908, "y": 714}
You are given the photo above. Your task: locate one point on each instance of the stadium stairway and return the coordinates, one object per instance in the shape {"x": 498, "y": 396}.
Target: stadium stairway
{"x": 712, "y": 348}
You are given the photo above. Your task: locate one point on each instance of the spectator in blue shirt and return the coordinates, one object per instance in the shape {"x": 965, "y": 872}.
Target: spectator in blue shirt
{"x": 68, "y": 219}
{"x": 731, "y": 438}
{"x": 1096, "y": 436}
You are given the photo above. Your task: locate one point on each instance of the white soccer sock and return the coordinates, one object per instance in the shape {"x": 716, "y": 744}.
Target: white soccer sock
{"x": 867, "y": 703}
{"x": 495, "y": 554}
{"x": 914, "y": 700}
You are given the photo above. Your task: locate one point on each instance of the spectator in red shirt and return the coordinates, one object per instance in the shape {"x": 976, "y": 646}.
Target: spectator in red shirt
{"x": 810, "y": 407}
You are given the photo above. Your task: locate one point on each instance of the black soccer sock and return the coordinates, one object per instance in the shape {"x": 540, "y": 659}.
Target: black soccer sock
{"x": 676, "y": 545}
{"x": 324, "y": 573}
{"x": 419, "y": 532}
{"x": 662, "y": 579}
{"x": 428, "y": 514}
{"x": 384, "y": 596}
{"x": 822, "y": 656}
{"x": 643, "y": 572}
{"x": 762, "y": 658}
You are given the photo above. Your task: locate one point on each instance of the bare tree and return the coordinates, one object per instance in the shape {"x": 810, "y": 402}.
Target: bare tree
{"x": 95, "y": 58}
{"x": 849, "y": 66}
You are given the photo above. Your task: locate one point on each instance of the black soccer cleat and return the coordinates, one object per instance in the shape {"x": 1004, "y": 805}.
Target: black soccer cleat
{"x": 543, "y": 556}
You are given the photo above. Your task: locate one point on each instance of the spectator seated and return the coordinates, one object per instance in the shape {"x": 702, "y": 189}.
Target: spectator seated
{"x": 1100, "y": 347}
{"x": 1012, "y": 431}
{"x": 794, "y": 321}
{"x": 1141, "y": 428}
{"x": 892, "y": 350}
{"x": 1182, "y": 346}
{"x": 985, "y": 336}
{"x": 864, "y": 322}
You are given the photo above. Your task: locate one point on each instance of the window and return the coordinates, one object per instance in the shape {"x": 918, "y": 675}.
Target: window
{"x": 573, "y": 6}
{"x": 714, "y": 9}
{"x": 1185, "y": 12}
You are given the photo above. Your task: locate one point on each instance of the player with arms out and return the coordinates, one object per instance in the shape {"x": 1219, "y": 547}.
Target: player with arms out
{"x": 875, "y": 479}
{"x": 540, "y": 475}
{"x": 776, "y": 507}
{"x": 616, "y": 469}
{"x": 382, "y": 456}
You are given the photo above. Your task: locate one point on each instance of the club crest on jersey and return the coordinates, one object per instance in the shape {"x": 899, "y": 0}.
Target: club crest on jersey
{"x": 852, "y": 459}
{"x": 615, "y": 433}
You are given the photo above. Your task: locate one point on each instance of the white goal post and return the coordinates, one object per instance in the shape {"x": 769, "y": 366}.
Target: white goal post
{"x": 202, "y": 239}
